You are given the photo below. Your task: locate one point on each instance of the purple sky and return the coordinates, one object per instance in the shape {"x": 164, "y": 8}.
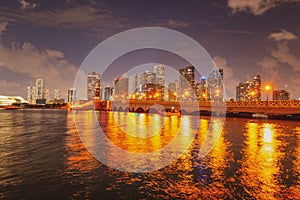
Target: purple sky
{"x": 50, "y": 39}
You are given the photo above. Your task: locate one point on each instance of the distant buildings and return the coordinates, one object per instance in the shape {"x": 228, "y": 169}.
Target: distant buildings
{"x": 250, "y": 90}
{"x": 71, "y": 95}
{"x": 41, "y": 95}
{"x": 281, "y": 95}
{"x": 93, "y": 85}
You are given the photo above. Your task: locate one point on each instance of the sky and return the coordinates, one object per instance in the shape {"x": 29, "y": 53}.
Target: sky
{"x": 51, "y": 39}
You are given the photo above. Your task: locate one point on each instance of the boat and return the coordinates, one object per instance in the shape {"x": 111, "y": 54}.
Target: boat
{"x": 12, "y": 107}
{"x": 169, "y": 112}
{"x": 259, "y": 115}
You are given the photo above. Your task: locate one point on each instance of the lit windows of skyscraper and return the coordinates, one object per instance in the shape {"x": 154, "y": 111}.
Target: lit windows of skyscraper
{"x": 108, "y": 93}
{"x": 215, "y": 85}
{"x": 159, "y": 71}
{"x": 250, "y": 90}
{"x": 56, "y": 94}
{"x": 31, "y": 95}
{"x": 187, "y": 83}
{"x": 93, "y": 85}
{"x": 39, "y": 87}
{"x": 121, "y": 88}
{"x": 71, "y": 95}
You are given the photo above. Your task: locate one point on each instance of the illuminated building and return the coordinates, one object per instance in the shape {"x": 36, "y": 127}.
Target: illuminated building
{"x": 202, "y": 89}
{"x": 108, "y": 93}
{"x": 215, "y": 85}
{"x": 93, "y": 85}
{"x": 250, "y": 90}
{"x": 31, "y": 95}
{"x": 39, "y": 89}
{"x": 71, "y": 95}
{"x": 173, "y": 89}
{"x": 121, "y": 87}
{"x": 47, "y": 94}
{"x": 281, "y": 95}
{"x": 187, "y": 82}
{"x": 56, "y": 93}
{"x": 159, "y": 71}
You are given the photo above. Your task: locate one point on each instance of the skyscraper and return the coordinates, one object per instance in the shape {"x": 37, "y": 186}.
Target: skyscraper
{"x": 215, "y": 85}
{"x": 250, "y": 90}
{"x": 39, "y": 89}
{"x": 159, "y": 71}
{"x": 108, "y": 93}
{"x": 187, "y": 76}
{"x": 31, "y": 95}
{"x": 187, "y": 83}
{"x": 47, "y": 93}
{"x": 93, "y": 85}
{"x": 71, "y": 95}
{"x": 147, "y": 77}
{"x": 56, "y": 94}
{"x": 121, "y": 88}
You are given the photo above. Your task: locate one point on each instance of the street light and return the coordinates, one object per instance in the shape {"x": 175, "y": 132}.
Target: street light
{"x": 267, "y": 88}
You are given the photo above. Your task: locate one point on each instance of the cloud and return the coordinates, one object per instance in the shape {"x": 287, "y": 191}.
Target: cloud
{"x": 3, "y": 26}
{"x": 230, "y": 81}
{"x": 233, "y": 31}
{"x": 26, "y": 5}
{"x": 28, "y": 60}
{"x": 282, "y": 35}
{"x": 282, "y": 64}
{"x": 256, "y": 7}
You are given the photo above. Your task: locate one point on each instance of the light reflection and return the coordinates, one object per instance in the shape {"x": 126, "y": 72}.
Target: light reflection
{"x": 260, "y": 164}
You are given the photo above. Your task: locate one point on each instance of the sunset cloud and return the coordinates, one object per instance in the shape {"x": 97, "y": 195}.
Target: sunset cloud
{"x": 282, "y": 35}
{"x": 256, "y": 7}
{"x": 25, "y": 5}
{"x": 28, "y": 60}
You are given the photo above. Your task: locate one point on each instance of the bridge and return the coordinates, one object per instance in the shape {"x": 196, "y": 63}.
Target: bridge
{"x": 273, "y": 109}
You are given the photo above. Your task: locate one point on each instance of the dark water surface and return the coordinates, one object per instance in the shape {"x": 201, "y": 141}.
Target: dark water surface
{"x": 42, "y": 157}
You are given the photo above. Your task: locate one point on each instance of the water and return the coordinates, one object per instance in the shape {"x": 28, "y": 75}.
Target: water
{"x": 42, "y": 157}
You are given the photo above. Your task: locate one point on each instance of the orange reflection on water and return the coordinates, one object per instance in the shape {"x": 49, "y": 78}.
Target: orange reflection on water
{"x": 140, "y": 142}
{"x": 261, "y": 157}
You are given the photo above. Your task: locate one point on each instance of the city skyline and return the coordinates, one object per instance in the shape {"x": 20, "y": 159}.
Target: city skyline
{"x": 47, "y": 40}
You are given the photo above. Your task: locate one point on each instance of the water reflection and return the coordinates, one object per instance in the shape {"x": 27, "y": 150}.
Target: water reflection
{"x": 42, "y": 156}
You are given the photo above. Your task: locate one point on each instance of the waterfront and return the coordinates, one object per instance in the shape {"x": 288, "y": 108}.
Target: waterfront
{"x": 42, "y": 157}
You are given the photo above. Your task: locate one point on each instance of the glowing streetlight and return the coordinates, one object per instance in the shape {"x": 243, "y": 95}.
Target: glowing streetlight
{"x": 267, "y": 88}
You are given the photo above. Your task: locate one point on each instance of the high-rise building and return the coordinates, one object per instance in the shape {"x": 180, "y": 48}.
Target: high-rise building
{"x": 281, "y": 95}
{"x": 39, "y": 89}
{"x": 187, "y": 83}
{"x": 47, "y": 93}
{"x": 250, "y": 90}
{"x": 159, "y": 71}
{"x": 173, "y": 89}
{"x": 202, "y": 89}
{"x": 93, "y": 85}
{"x": 56, "y": 94}
{"x": 215, "y": 85}
{"x": 108, "y": 93}
{"x": 71, "y": 95}
{"x": 31, "y": 95}
{"x": 133, "y": 84}
{"x": 147, "y": 77}
{"x": 121, "y": 88}
{"x": 187, "y": 76}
